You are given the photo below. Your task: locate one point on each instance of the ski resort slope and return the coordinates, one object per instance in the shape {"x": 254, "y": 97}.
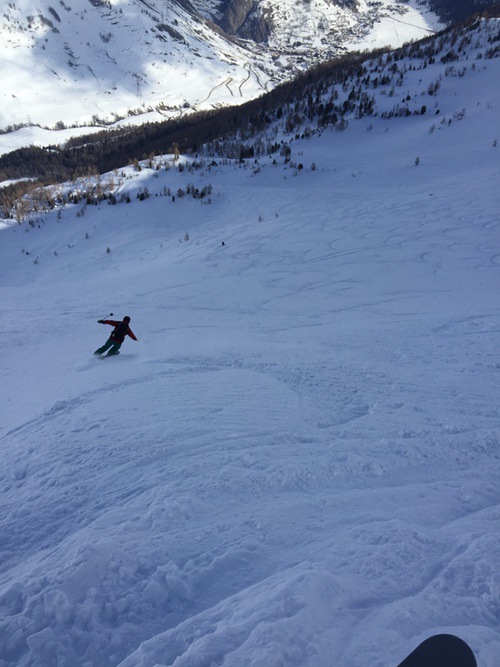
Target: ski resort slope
{"x": 297, "y": 462}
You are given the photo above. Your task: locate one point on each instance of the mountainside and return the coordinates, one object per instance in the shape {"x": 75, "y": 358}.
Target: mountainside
{"x": 100, "y": 61}
{"x": 458, "y": 10}
{"x": 267, "y": 20}
{"x": 359, "y": 88}
{"x": 296, "y": 463}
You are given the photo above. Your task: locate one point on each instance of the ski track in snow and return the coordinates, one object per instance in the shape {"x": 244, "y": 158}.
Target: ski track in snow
{"x": 297, "y": 464}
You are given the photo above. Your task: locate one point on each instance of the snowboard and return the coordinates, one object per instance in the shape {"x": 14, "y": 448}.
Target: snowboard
{"x": 441, "y": 651}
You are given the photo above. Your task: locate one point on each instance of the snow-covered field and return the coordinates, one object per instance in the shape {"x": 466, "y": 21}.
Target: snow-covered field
{"x": 297, "y": 462}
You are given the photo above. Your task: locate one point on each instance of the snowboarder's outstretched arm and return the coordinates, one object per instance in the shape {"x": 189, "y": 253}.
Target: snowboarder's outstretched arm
{"x": 112, "y": 323}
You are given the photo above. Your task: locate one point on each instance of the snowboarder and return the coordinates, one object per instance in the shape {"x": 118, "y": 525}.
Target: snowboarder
{"x": 114, "y": 342}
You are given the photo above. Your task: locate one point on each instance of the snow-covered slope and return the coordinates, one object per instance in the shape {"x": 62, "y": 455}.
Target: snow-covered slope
{"x": 80, "y": 62}
{"x": 297, "y": 463}
{"x": 105, "y": 60}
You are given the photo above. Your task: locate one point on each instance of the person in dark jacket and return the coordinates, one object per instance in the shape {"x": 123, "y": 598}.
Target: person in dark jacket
{"x": 114, "y": 342}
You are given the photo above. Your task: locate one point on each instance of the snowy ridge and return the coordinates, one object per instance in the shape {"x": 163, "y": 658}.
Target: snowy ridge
{"x": 297, "y": 463}
{"x": 97, "y": 63}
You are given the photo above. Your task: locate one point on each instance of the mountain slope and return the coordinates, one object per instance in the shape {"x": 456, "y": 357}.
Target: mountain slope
{"x": 84, "y": 62}
{"x": 297, "y": 463}
{"x": 458, "y": 10}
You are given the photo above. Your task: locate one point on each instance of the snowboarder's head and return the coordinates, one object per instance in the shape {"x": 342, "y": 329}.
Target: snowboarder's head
{"x": 126, "y": 319}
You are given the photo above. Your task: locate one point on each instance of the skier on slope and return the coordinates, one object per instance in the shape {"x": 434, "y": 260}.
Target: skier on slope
{"x": 114, "y": 342}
